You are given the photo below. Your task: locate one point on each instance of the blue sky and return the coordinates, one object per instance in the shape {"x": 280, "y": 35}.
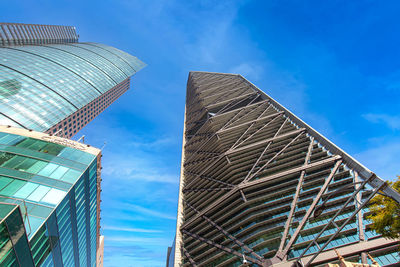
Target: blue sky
{"x": 336, "y": 64}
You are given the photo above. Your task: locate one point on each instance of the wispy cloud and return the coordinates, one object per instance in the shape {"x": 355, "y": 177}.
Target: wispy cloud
{"x": 153, "y": 144}
{"x": 249, "y": 70}
{"x": 392, "y": 122}
{"x": 141, "y": 240}
{"x": 145, "y": 163}
{"x": 125, "y": 167}
{"x": 211, "y": 37}
{"x": 129, "y": 229}
{"x": 383, "y": 159}
{"x": 126, "y": 254}
{"x": 151, "y": 212}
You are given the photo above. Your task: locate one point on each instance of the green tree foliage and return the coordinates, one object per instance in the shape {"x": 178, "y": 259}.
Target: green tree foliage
{"x": 386, "y": 214}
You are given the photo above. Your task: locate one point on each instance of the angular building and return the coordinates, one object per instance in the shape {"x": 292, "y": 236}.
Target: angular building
{"x": 49, "y": 200}
{"x": 259, "y": 187}
{"x": 52, "y": 83}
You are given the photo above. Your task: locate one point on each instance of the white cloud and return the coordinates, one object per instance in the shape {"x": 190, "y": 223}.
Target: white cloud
{"x": 141, "y": 158}
{"x": 141, "y": 240}
{"x": 248, "y": 70}
{"x": 392, "y": 122}
{"x": 129, "y": 229}
{"x": 150, "y": 212}
{"x": 129, "y": 167}
{"x": 383, "y": 160}
{"x": 211, "y": 32}
{"x": 153, "y": 144}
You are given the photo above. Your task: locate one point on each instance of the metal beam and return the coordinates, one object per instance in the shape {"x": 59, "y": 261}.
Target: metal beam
{"x": 284, "y": 252}
{"x": 288, "y": 172}
{"x": 231, "y": 80}
{"x": 208, "y": 178}
{"x": 247, "y": 106}
{"x": 264, "y": 141}
{"x": 187, "y": 163}
{"x": 375, "y": 182}
{"x": 250, "y": 136}
{"x": 205, "y": 189}
{"x": 205, "y": 142}
{"x": 275, "y": 156}
{"x": 224, "y": 95}
{"x": 228, "y": 250}
{"x": 262, "y": 180}
{"x": 357, "y": 203}
{"x": 215, "y": 134}
{"x": 192, "y": 262}
{"x": 231, "y": 237}
{"x": 231, "y": 100}
{"x": 205, "y": 169}
{"x": 363, "y": 171}
{"x": 332, "y": 221}
{"x": 241, "y": 127}
{"x": 243, "y": 195}
{"x": 266, "y": 148}
{"x": 348, "y": 251}
{"x": 296, "y": 196}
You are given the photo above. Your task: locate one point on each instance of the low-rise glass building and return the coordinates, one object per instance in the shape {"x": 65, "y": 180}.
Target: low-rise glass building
{"x": 51, "y": 187}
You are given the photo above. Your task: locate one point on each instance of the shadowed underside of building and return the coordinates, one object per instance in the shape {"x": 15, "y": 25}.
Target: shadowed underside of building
{"x": 259, "y": 184}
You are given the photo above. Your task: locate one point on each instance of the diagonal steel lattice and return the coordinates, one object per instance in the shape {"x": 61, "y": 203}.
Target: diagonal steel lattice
{"x": 253, "y": 174}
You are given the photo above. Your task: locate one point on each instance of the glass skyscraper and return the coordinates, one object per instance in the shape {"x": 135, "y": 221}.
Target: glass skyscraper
{"x": 259, "y": 187}
{"x": 49, "y": 200}
{"x": 51, "y": 86}
{"x": 50, "y": 82}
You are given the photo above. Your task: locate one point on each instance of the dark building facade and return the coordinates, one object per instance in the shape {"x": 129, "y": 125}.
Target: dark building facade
{"x": 52, "y": 83}
{"x": 260, "y": 187}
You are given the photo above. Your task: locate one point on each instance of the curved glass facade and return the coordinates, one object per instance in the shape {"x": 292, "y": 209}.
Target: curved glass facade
{"x": 40, "y": 85}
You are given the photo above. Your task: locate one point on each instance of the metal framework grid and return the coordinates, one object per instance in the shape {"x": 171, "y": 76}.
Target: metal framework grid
{"x": 30, "y": 34}
{"x": 253, "y": 174}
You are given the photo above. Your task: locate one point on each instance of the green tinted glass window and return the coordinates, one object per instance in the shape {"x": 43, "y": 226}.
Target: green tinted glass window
{"x": 40, "y": 245}
{"x": 13, "y": 162}
{"x": 52, "y": 149}
{"x": 4, "y": 157}
{"x": 12, "y": 187}
{"x": 37, "y": 175}
{"x": 26, "y": 190}
{"x": 38, "y": 193}
{"x": 4, "y": 181}
{"x": 26, "y": 142}
{"x": 59, "y": 172}
{"x": 25, "y": 164}
{"x": 46, "y": 171}
{"x": 71, "y": 176}
{"x": 37, "y": 145}
{"x": 38, "y": 166}
{"x": 54, "y": 196}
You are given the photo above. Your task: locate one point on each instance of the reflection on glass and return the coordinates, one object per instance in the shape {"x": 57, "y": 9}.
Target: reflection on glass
{"x": 9, "y": 88}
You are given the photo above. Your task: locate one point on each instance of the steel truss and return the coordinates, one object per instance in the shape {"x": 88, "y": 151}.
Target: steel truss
{"x": 361, "y": 204}
{"x": 249, "y": 166}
